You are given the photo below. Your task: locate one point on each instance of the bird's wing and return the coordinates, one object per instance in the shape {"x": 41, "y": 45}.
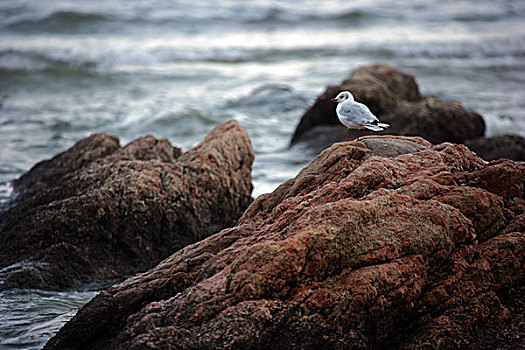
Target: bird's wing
{"x": 356, "y": 113}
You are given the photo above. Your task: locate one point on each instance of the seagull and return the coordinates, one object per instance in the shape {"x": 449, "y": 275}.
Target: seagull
{"x": 355, "y": 115}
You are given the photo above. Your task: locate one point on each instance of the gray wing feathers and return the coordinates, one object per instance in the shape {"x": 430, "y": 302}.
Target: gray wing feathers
{"x": 356, "y": 113}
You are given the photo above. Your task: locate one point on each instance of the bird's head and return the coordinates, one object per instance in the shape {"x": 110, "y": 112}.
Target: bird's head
{"x": 343, "y": 96}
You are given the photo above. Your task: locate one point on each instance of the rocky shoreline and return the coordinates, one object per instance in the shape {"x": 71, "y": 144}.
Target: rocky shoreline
{"x": 364, "y": 249}
{"x": 393, "y": 242}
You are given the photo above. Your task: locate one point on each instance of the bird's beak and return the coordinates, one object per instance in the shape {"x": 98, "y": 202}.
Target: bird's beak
{"x": 332, "y": 99}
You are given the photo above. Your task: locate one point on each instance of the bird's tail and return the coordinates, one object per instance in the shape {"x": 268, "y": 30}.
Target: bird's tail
{"x": 378, "y": 127}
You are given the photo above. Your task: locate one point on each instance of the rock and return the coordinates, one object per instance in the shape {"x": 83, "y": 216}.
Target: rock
{"x": 48, "y": 172}
{"x": 99, "y": 212}
{"x": 501, "y": 146}
{"x": 368, "y": 247}
{"x": 395, "y": 146}
{"x": 394, "y": 97}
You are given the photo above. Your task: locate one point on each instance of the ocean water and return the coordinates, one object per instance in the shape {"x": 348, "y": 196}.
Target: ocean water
{"x": 176, "y": 69}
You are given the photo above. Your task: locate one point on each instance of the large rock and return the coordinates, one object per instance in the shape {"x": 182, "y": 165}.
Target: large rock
{"x": 389, "y": 243}
{"x": 501, "y": 146}
{"x": 48, "y": 173}
{"x": 394, "y": 97}
{"x": 99, "y": 212}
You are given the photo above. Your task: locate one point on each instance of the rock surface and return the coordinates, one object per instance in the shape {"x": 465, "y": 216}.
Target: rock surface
{"x": 367, "y": 248}
{"x": 394, "y": 97}
{"x": 501, "y": 146}
{"x": 99, "y": 212}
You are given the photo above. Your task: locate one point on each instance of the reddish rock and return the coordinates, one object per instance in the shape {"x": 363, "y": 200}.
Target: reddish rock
{"x": 99, "y": 212}
{"x": 367, "y": 248}
{"x": 502, "y": 177}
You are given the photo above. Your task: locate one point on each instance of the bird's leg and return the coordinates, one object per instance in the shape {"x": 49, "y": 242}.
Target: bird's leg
{"x": 357, "y": 134}
{"x": 348, "y": 135}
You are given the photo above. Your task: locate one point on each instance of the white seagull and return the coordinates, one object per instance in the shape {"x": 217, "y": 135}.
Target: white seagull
{"x": 355, "y": 115}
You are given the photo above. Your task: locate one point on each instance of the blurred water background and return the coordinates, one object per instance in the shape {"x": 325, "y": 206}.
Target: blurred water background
{"x": 176, "y": 69}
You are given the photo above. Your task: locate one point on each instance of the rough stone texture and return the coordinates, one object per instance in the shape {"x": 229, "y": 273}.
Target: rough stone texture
{"x": 48, "y": 172}
{"x": 395, "y": 146}
{"x": 362, "y": 250}
{"x": 502, "y": 146}
{"x": 98, "y": 212}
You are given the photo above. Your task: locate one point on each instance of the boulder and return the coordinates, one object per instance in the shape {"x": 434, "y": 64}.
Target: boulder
{"x": 100, "y": 212}
{"x": 501, "y": 146}
{"x": 389, "y": 243}
{"x": 48, "y": 173}
{"x": 394, "y": 97}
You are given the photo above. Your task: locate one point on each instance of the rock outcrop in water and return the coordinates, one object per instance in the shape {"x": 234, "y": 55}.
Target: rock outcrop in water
{"x": 99, "y": 212}
{"x": 501, "y": 146}
{"x": 394, "y": 97}
{"x": 389, "y": 243}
